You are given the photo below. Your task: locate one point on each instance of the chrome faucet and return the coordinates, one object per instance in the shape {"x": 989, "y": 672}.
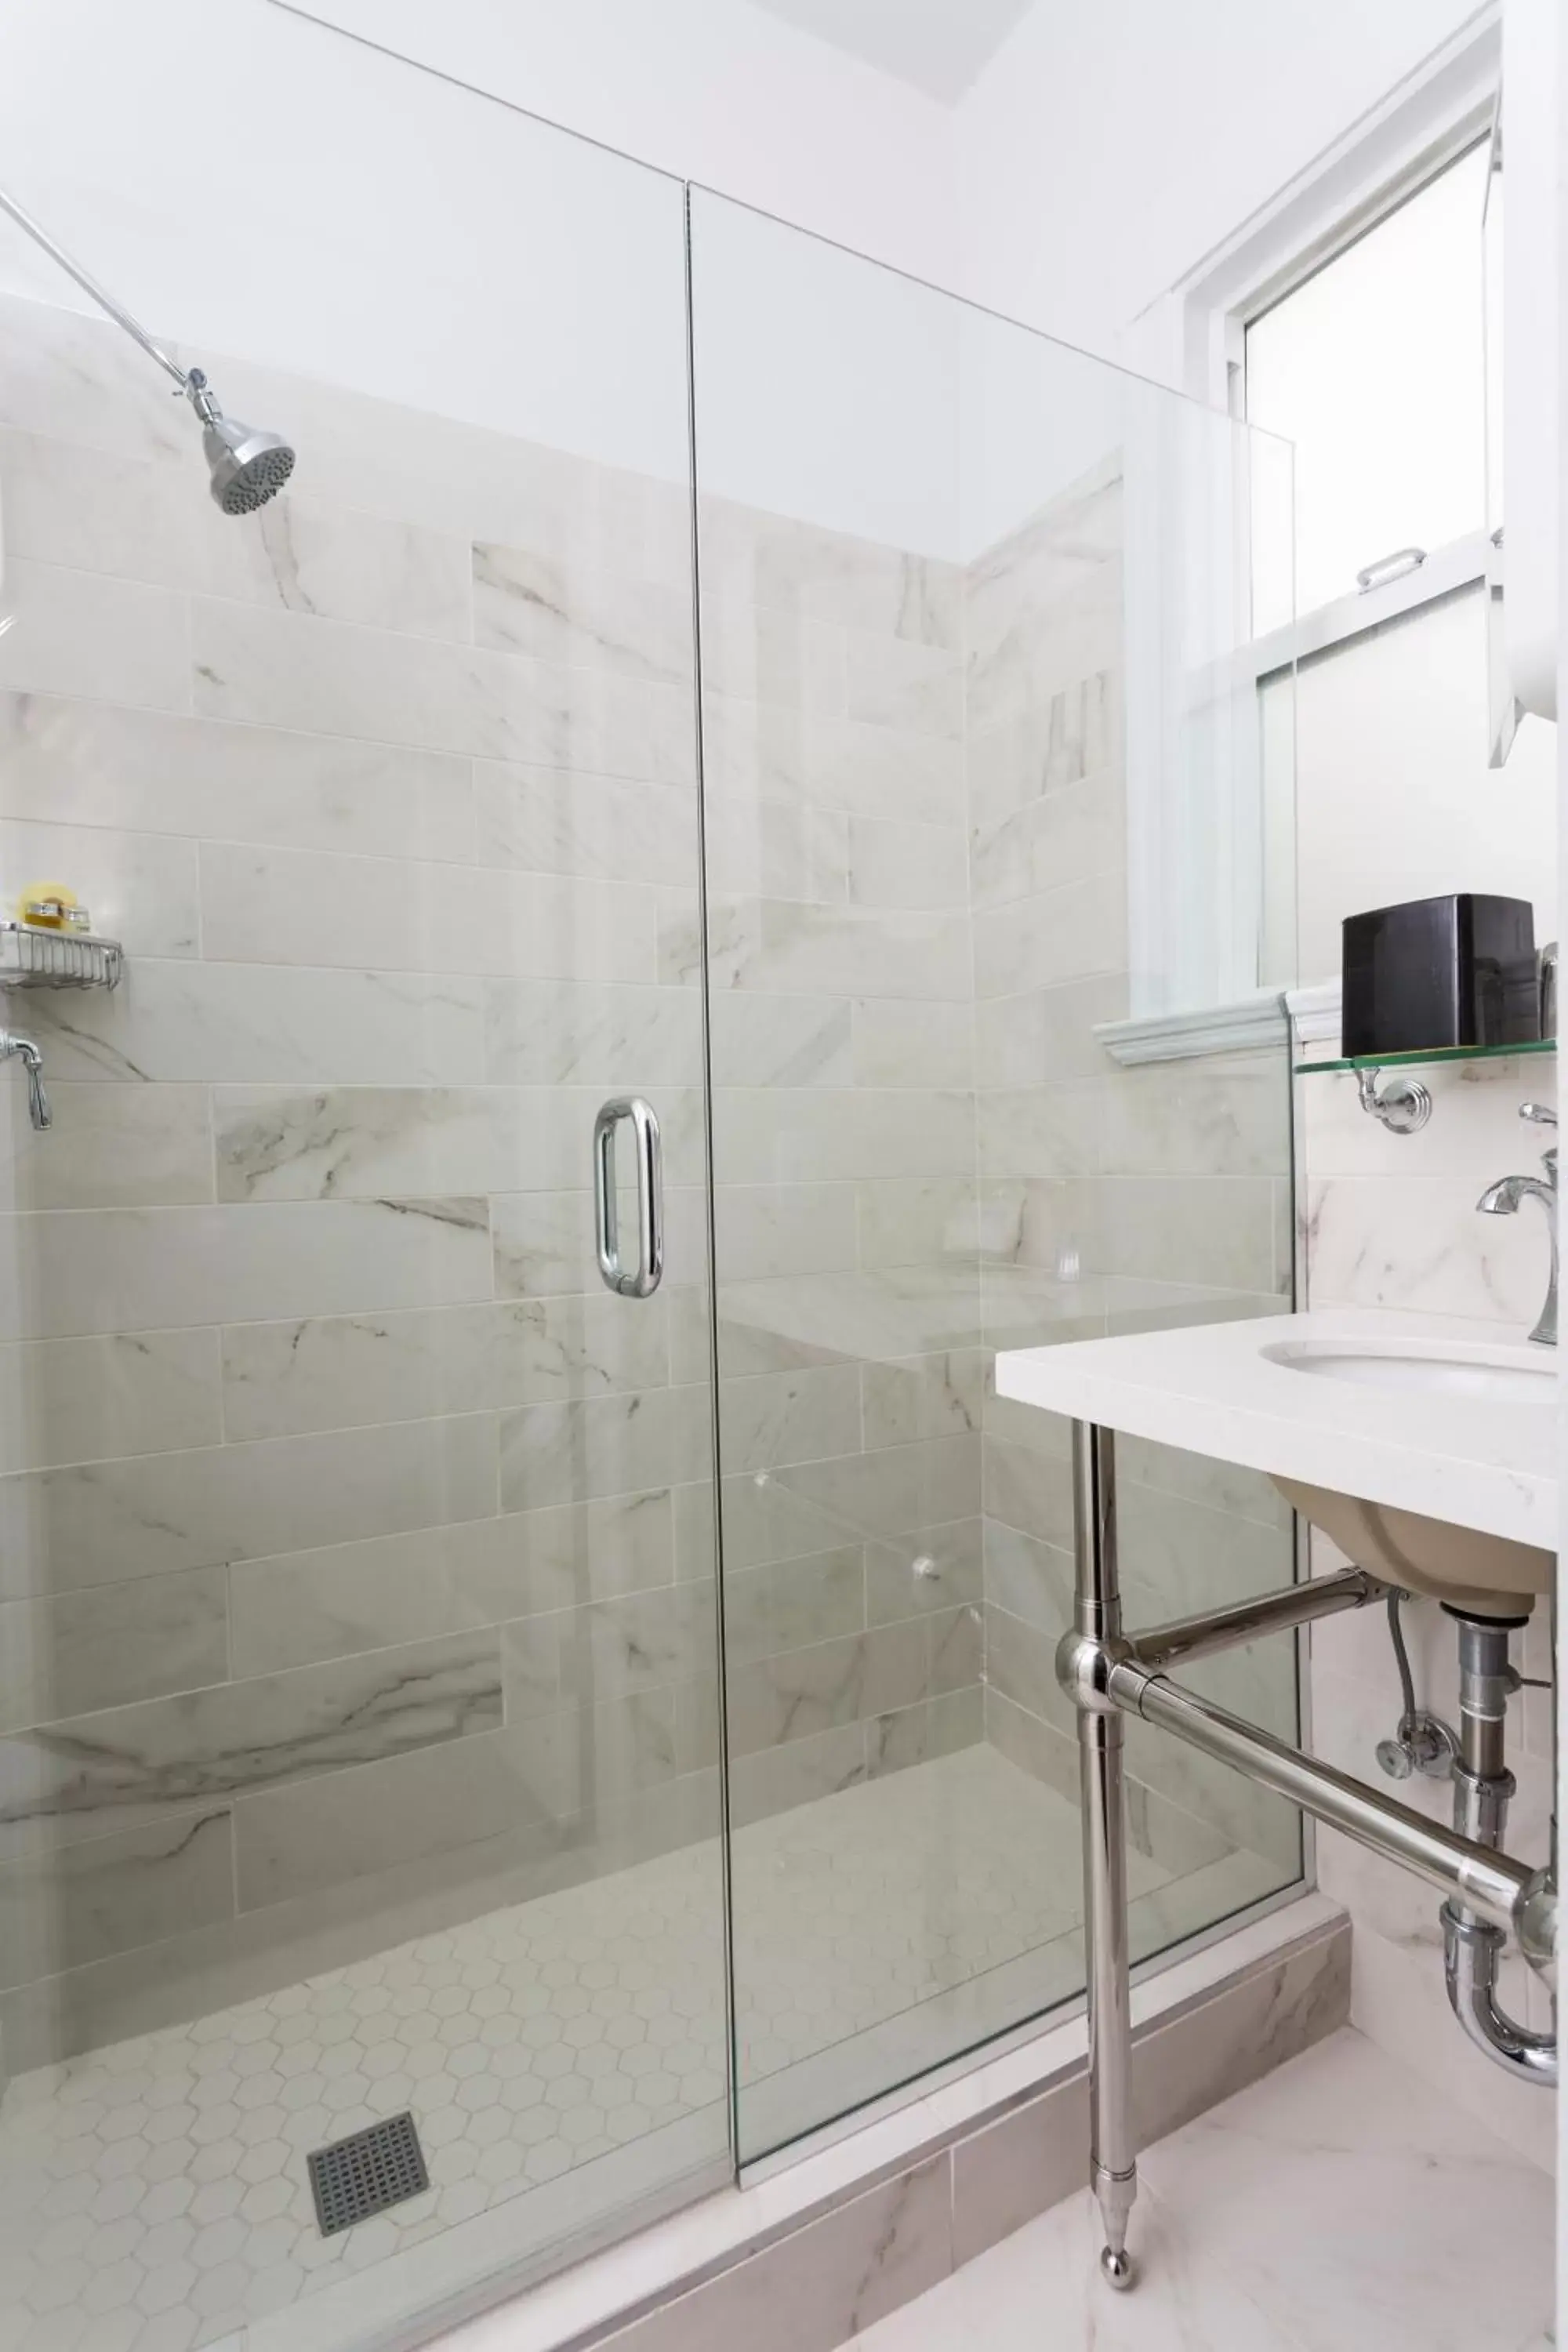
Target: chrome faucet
{"x": 1502, "y": 1199}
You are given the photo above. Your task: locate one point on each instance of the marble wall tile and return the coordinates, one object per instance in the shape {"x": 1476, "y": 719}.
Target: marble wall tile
{"x": 120, "y": 1393}
{"x": 80, "y": 633}
{"x": 776, "y": 1418}
{"x": 110, "y": 1146}
{"x": 888, "y": 1493}
{"x": 62, "y": 1276}
{"x": 1044, "y": 1133}
{"x": 98, "y": 1523}
{"x": 1222, "y": 1115}
{"x": 132, "y": 1766}
{"x": 283, "y": 906}
{"x": 910, "y": 1220}
{"x": 1047, "y": 1034}
{"x": 183, "y": 1022}
{"x": 592, "y": 1446}
{"x": 775, "y": 1780}
{"x": 74, "y": 377}
{"x": 777, "y": 849}
{"x": 794, "y": 567}
{"x": 1221, "y": 1229}
{"x": 903, "y": 1044}
{"x": 1435, "y": 1255}
{"x": 906, "y": 865}
{"x": 70, "y": 1907}
{"x": 763, "y": 654}
{"x": 924, "y": 1396}
{"x": 609, "y": 1650}
{"x": 545, "y": 1243}
{"x": 894, "y": 682}
{"x": 814, "y": 1135}
{"x": 784, "y": 946}
{"x": 111, "y": 1645}
{"x": 769, "y": 1232}
{"x": 758, "y": 751}
{"x": 147, "y": 771}
{"x": 1064, "y": 736}
{"x": 551, "y": 1033}
{"x": 333, "y": 1372}
{"x": 370, "y": 1595}
{"x": 324, "y": 676}
{"x": 784, "y": 1041}
{"x": 890, "y": 1313}
{"x": 560, "y": 611}
{"x": 69, "y": 503}
{"x": 1064, "y": 836}
{"x": 1027, "y": 1578}
{"x": 797, "y": 1693}
{"x": 141, "y": 888}
{"x": 293, "y": 1842}
{"x": 932, "y": 1572}
{"x": 792, "y": 1603}
{"x": 1073, "y": 931}
{"x": 595, "y": 827}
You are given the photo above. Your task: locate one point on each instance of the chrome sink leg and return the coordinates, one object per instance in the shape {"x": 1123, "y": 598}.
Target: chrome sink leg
{"x": 1112, "y": 2163}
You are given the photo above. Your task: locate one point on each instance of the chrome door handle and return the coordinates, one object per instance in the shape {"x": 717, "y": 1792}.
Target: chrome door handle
{"x": 643, "y": 1280}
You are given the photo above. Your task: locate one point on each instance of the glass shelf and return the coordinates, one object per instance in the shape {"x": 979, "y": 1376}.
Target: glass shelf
{"x": 1432, "y": 1054}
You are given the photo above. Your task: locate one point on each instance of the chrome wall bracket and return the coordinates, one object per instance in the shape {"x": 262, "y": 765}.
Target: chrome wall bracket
{"x": 1402, "y": 1104}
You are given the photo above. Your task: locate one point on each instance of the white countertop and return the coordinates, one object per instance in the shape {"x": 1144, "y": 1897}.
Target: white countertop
{"x": 1210, "y": 1389}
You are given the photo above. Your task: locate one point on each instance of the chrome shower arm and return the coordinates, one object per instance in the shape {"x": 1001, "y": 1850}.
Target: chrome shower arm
{"x": 89, "y": 285}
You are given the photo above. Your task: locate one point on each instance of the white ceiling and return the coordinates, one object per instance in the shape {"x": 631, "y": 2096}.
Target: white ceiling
{"x": 940, "y": 46}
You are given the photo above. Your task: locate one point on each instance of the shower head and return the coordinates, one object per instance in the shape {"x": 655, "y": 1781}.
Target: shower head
{"x": 247, "y": 466}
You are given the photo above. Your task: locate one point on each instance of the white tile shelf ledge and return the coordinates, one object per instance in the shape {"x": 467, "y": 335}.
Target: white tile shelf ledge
{"x": 1216, "y": 1389}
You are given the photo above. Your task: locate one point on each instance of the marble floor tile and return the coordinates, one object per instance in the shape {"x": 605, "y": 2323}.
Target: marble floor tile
{"x": 1332, "y": 2204}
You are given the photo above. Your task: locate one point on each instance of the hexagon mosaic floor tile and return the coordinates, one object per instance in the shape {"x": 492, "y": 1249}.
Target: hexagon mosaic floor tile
{"x": 154, "y": 2195}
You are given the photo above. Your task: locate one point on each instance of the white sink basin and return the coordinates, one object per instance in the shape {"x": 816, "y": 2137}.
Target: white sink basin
{"x": 1510, "y": 1376}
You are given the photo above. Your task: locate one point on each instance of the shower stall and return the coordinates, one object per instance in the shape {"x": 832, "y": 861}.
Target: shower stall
{"x": 657, "y": 887}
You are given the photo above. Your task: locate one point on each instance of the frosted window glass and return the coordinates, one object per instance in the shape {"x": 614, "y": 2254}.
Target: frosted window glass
{"x": 1374, "y": 368}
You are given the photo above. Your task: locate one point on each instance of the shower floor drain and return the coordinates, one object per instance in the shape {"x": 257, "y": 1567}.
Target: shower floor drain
{"x": 365, "y": 2173}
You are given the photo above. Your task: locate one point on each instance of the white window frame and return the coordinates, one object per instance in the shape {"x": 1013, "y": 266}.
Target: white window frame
{"x": 1194, "y": 339}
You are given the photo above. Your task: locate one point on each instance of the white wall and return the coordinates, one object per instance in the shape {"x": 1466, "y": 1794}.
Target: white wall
{"x": 257, "y": 185}
{"x": 1105, "y": 150}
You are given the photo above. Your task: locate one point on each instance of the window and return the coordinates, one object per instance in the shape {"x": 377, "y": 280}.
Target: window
{"x": 1374, "y": 367}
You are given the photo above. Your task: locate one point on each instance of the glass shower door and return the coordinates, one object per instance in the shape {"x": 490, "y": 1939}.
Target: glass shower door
{"x": 975, "y": 782}
{"x": 357, "y": 1636}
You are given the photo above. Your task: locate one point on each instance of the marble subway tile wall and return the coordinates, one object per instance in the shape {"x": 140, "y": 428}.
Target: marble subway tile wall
{"x": 1391, "y": 1221}
{"x": 1109, "y": 1198}
{"x": 844, "y": 1140}
{"x": 356, "y": 1555}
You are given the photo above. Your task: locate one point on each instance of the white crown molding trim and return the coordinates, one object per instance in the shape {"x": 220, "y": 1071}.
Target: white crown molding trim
{"x": 1241, "y": 1027}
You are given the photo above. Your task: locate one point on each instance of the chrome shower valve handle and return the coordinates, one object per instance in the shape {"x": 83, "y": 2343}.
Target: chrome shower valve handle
{"x": 21, "y": 1049}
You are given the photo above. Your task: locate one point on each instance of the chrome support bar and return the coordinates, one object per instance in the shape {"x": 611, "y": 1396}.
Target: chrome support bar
{"x": 1113, "y": 2166}
{"x": 1107, "y": 1673}
{"x": 1176, "y": 1644}
{"x": 1490, "y": 1883}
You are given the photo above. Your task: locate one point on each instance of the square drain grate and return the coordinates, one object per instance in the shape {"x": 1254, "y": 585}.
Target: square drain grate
{"x": 365, "y": 2173}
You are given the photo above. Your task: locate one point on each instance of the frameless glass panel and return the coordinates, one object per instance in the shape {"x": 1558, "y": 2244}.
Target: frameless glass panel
{"x": 1374, "y": 369}
{"x": 964, "y": 599}
{"x": 357, "y": 1636}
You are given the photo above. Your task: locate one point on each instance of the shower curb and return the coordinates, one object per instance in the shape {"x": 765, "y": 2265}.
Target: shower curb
{"x": 884, "y": 2228}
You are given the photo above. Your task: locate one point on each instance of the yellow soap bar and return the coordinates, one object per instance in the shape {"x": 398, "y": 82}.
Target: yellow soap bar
{"x": 49, "y": 906}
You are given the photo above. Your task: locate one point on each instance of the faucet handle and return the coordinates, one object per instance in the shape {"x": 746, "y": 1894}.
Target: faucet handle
{"x": 1540, "y": 1114}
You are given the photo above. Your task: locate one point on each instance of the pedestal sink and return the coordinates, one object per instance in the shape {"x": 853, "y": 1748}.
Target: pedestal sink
{"x": 1483, "y": 1574}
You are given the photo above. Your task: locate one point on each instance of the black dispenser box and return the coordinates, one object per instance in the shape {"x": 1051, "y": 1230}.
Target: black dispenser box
{"x": 1458, "y": 971}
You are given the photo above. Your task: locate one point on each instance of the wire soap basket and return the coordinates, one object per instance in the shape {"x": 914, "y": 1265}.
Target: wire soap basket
{"x": 32, "y": 957}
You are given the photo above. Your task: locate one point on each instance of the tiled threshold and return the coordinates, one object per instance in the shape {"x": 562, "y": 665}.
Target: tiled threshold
{"x": 813, "y": 2250}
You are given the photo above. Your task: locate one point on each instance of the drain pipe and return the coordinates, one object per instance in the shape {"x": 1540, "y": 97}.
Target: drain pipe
{"x": 1472, "y": 1946}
